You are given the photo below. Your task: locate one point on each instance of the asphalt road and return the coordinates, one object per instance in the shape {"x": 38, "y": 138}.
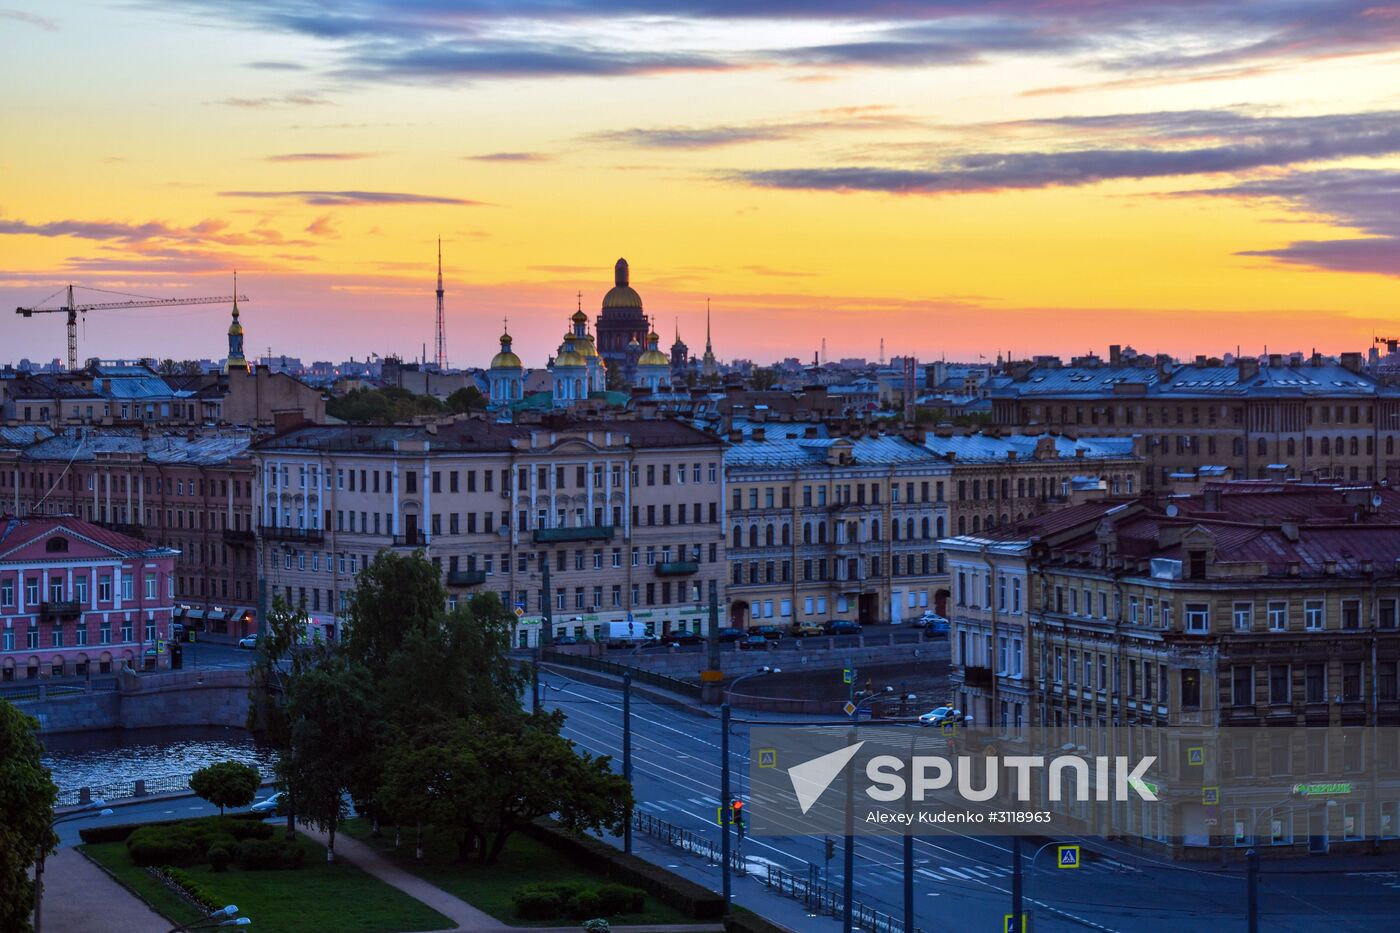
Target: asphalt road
{"x": 964, "y": 882}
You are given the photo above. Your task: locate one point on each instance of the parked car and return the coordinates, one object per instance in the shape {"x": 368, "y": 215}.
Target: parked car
{"x": 842, "y": 627}
{"x": 753, "y": 641}
{"x": 730, "y": 634}
{"x": 770, "y": 632}
{"x": 248, "y": 641}
{"x": 269, "y": 805}
{"x": 807, "y": 629}
{"x": 933, "y": 622}
{"x": 684, "y": 638}
{"x": 940, "y": 715}
{"x": 566, "y": 640}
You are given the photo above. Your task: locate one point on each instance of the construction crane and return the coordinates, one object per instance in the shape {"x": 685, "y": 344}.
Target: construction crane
{"x": 73, "y": 309}
{"x": 1390, "y": 342}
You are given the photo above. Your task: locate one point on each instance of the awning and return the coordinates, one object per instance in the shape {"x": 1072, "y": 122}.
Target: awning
{"x": 196, "y": 614}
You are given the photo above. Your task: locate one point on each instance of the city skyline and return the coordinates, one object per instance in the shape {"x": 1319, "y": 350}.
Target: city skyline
{"x": 958, "y": 180}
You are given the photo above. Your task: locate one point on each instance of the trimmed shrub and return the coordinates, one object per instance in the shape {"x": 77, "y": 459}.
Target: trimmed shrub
{"x": 686, "y": 896}
{"x": 219, "y": 857}
{"x": 118, "y": 832}
{"x": 585, "y": 904}
{"x": 193, "y": 888}
{"x": 535, "y": 905}
{"x": 159, "y": 845}
{"x": 620, "y": 899}
{"x": 269, "y": 855}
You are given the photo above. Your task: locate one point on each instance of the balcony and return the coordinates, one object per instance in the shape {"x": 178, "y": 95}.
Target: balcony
{"x": 65, "y": 609}
{"x": 411, "y": 539}
{"x": 570, "y": 535}
{"x": 974, "y": 676}
{"x": 466, "y": 577}
{"x": 238, "y": 536}
{"x": 275, "y": 533}
{"x": 677, "y": 568}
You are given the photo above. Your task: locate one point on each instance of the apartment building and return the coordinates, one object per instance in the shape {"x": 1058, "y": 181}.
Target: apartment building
{"x": 824, "y": 528}
{"x": 78, "y": 599}
{"x": 1252, "y": 605}
{"x": 1289, "y": 417}
{"x": 627, "y": 516}
{"x": 188, "y": 491}
{"x": 998, "y": 479}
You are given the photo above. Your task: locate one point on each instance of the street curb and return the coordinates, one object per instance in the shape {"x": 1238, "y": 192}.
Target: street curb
{"x": 149, "y": 798}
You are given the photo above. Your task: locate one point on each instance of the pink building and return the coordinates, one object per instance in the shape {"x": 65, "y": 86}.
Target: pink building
{"x": 77, "y": 598}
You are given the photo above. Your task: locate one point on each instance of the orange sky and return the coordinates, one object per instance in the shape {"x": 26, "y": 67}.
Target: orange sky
{"x": 957, "y": 178}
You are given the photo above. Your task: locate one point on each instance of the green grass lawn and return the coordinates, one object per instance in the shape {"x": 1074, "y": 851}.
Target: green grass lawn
{"x": 489, "y": 887}
{"x": 319, "y": 898}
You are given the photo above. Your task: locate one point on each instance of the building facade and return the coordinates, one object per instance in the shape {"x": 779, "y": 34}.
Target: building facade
{"x": 189, "y": 492}
{"x": 1290, "y": 417}
{"x": 828, "y": 528}
{"x": 628, "y": 516}
{"x": 78, "y": 599}
{"x": 621, "y": 320}
{"x": 1253, "y": 606}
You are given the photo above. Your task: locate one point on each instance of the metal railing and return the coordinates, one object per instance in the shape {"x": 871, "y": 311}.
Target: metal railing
{"x": 122, "y": 790}
{"x": 685, "y": 840}
{"x": 640, "y": 676}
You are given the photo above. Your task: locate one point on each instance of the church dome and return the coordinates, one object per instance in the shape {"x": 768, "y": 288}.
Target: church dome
{"x": 586, "y": 347}
{"x": 506, "y": 359}
{"x": 622, "y": 295}
{"x": 653, "y": 358}
{"x": 569, "y": 358}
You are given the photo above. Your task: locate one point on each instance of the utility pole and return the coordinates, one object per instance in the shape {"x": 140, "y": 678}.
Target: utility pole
{"x": 712, "y": 636}
{"x": 1253, "y": 856}
{"x": 848, "y": 886}
{"x": 1016, "y": 907}
{"x": 627, "y": 751}
{"x": 546, "y": 606}
{"x": 724, "y": 800}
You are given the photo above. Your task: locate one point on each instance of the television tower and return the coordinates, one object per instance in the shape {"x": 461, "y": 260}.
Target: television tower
{"x": 441, "y": 318}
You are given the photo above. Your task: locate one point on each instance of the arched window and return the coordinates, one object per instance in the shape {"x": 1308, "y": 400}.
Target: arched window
{"x": 939, "y": 526}
{"x": 806, "y": 532}
{"x": 1292, "y": 447}
{"x": 1340, "y": 447}
{"x": 1326, "y": 447}
{"x": 1239, "y": 447}
{"x": 1263, "y": 447}
{"x": 1307, "y": 446}
{"x": 962, "y": 524}
{"x": 821, "y": 532}
{"x": 976, "y": 524}
{"x": 768, "y": 535}
{"x": 894, "y": 529}
{"x": 787, "y": 534}
{"x": 875, "y": 530}
{"x": 909, "y": 528}
{"x": 1354, "y": 448}
{"x": 753, "y": 536}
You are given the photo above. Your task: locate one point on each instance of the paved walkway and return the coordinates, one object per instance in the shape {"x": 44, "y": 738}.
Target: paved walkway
{"x": 468, "y": 918}
{"x": 68, "y": 871}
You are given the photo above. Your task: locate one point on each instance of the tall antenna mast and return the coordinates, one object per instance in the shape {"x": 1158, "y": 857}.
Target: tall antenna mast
{"x": 882, "y": 351}
{"x": 441, "y": 317}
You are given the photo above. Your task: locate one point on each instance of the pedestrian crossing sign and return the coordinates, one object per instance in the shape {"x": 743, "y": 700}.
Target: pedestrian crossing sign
{"x": 1008, "y": 924}
{"x": 1069, "y": 856}
{"x": 950, "y": 728}
{"x": 767, "y": 757}
{"x": 1210, "y": 796}
{"x": 1196, "y": 755}
{"x": 845, "y": 675}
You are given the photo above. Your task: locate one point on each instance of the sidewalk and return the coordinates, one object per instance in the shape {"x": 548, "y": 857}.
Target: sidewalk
{"x": 468, "y": 918}
{"x": 68, "y": 871}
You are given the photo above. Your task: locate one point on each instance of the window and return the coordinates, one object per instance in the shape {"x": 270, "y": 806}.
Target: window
{"x": 1315, "y": 682}
{"x": 1198, "y": 617}
{"x": 1351, "y": 613}
{"x": 1278, "y": 616}
{"x": 1242, "y": 680}
{"x": 1190, "y": 688}
{"x": 1244, "y": 616}
{"x": 1280, "y": 684}
{"x": 1351, "y": 681}
{"x": 1314, "y": 615}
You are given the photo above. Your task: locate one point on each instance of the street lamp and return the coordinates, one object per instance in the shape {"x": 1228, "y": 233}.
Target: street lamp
{"x": 724, "y": 773}
{"x": 849, "y": 855}
{"x": 95, "y": 808}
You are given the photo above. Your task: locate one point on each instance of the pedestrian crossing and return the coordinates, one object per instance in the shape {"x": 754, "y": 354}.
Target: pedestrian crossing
{"x": 967, "y": 872}
{"x": 1389, "y": 879}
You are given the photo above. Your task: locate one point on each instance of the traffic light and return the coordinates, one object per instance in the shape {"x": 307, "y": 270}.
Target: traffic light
{"x": 736, "y": 809}
{"x": 830, "y": 848}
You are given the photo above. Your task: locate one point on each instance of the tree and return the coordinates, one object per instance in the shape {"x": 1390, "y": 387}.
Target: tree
{"x": 468, "y": 398}
{"x": 764, "y": 379}
{"x": 226, "y": 784}
{"x": 26, "y": 808}
{"x": 332, "y": 720}
{"x": 394, "y": 596}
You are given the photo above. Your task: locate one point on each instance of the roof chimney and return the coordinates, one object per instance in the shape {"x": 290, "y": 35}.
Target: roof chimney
{"x": 1249, "y": 368}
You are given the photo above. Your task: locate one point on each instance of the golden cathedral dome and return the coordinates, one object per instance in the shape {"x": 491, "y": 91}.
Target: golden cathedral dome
{"x": 506, "y": 359}
{"x": 653, "y": 358}
{"x": 622, "y": 295}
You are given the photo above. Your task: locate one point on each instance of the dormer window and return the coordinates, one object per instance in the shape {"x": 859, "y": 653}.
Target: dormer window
{"x": 56, "y": 546}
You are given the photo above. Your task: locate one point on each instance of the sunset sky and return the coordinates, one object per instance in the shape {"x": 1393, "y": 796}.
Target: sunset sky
{"x": 960, "y": 177}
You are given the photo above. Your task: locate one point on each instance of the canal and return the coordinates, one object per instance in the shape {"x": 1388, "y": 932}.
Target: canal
{"x": 114, "y": 757}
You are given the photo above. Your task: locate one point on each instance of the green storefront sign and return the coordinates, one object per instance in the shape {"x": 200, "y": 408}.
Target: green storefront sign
{"x": 1321, "y": 790}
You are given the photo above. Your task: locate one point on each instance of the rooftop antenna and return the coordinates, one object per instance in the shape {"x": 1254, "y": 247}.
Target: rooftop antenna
{"x": 441, "y": 318}
{"x": 882, "y": 351}
{"x": 823, "y": 351}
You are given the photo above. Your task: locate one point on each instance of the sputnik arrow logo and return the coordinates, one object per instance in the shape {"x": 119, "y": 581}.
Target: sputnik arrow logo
{"x": 811, "y": 778}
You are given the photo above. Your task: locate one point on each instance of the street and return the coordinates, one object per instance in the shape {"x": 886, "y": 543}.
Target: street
{"x": 964, "y": 882}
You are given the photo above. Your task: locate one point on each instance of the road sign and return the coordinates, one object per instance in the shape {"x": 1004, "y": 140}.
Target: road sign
{"x": 1196, "y": 755}
{"x": 1210, "y": 795}
{"x": 160, "y": 647}
{"x": 767, "y": 757}
{"x": 949, "y": 727}
{"x": 1008, "y": 924}
{"x": 519, "y": 613}
{"x": 1068, "y": 856}
{"x": 849, "y": 707}
{"x": 846, "y": 674}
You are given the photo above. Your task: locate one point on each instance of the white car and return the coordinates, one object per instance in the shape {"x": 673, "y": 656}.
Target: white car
{"x": 248, "y": 641}
{"x": 268, "y": 804}
{"x": 941, "y": 715}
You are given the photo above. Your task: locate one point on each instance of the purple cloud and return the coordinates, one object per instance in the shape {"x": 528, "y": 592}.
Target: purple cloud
{"x": 510, "y": 157}
{"x": 352, "y": 198}
{"x": 318, "y": 157}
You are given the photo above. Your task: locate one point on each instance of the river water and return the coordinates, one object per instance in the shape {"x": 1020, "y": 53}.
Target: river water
{"x": 121, "y": 756}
